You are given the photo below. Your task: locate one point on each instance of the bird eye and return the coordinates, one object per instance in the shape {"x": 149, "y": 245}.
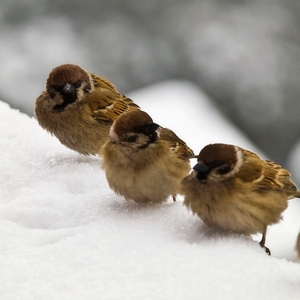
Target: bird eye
{"x": 58, "y": 88}
{"x": 77, "y": 84}
{"x": 224, "y": 169}
{"x": 87, "y": 89}
{"x": 137, "y": 129}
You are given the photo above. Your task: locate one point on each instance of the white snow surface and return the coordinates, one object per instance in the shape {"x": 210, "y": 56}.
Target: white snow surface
{"x": 65, "y": 235}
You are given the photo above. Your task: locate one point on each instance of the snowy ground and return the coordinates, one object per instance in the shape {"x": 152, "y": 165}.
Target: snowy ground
{"x": 65, "y": 235}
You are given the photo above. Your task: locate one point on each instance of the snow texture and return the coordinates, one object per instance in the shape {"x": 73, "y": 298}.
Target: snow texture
{"x": 65, "y": 235}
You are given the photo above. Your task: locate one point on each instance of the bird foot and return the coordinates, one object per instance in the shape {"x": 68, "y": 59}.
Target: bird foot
{"x": 266, "y": 248}
{"x": 263, "y": 241}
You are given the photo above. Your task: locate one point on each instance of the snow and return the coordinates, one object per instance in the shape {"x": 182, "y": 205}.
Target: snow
{"x": 65, "y": 235}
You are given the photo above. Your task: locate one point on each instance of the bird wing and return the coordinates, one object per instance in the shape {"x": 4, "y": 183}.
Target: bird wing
{"x": 252, "y": 168}
{"x": 278, "y": 176}
{"x": 266, "y": 174}
{"x": 106, "y": 103}
{"x": 176, "y": 144}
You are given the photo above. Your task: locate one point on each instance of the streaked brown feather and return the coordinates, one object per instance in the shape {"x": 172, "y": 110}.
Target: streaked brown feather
{"x": 176, "y": 144}
{"x": 266, "y": 174}
{"x": 106, "y": 103}
{"x": 278, "y": 178}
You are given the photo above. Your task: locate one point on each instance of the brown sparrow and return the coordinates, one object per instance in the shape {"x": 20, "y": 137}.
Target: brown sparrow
{"x": 143, "y": 161}
{"x": 79, "y": 107}
{"x": 236, "y": 190}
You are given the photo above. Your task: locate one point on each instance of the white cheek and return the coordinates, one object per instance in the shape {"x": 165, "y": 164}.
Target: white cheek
{"x": 80, "y": 91}
{"x": 240, "y": 160}
{"x": 158, "y": 133}
{"x": 112, "y": 134}
{"x": 193, "y": 174}
{"x": 91, "y": 81}
{"x": 80, "y": 94}
{"x": 214, "y": 176}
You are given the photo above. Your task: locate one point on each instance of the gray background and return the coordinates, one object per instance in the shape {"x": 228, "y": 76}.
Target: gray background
{"x": 243, "y": 54}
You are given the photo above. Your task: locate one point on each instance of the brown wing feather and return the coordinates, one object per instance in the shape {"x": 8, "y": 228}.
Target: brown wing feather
{"x": 267, "y": 175}
{"x": 278, "y": 177}
{"x": 176, "y": 144}
{"x": 106, "y": 103}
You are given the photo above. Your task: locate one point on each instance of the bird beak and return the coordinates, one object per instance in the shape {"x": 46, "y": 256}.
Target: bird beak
{"x": 151, "y": 127}
{"x": 68, "y": 89}
{"x": 201, "y": 167}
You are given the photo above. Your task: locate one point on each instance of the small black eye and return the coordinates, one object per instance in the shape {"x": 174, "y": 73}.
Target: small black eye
{"x": 87, "y": 89}
{"x": 137, "y": 129}
{"x": 77, "y": 84}
{"x": 58, "y": 88}
{"x": 224, "y": 170}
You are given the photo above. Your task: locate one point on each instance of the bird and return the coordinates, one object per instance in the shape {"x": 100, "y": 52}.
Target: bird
{"x": 143, "y": 161}
{"x": 79, "y": 107}
{"x": 234, "y": 189}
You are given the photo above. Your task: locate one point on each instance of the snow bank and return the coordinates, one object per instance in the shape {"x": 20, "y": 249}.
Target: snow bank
{"x": 65, "y": 235}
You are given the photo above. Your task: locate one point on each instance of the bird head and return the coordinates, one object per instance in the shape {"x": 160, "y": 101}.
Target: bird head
{"x": 67, "y": 84}
{"x": 135, "y": 129}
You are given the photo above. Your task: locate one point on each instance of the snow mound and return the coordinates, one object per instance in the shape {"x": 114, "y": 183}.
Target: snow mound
{"x": 65, "y": 235}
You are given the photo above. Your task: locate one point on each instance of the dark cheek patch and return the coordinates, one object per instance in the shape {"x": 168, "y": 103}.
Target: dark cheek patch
{"x": 131, "y": 139}
{"x": 224, "y": 169}
{"x": 87, "y": 89}
{"x": 152, "y": 139}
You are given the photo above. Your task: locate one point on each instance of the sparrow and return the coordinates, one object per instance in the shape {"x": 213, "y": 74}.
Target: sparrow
{"x": 143, "y": 161}
{"x": 234, "y": 189}
{"x": 79, "y": 107}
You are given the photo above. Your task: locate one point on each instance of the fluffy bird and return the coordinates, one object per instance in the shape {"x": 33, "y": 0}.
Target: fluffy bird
{"x": 236, "y": 190}
{"x": 79, "y": 107}
{"x": 143, "y": 161}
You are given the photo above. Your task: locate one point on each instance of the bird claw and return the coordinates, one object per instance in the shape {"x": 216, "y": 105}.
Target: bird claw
{"x": 267, "y": 250}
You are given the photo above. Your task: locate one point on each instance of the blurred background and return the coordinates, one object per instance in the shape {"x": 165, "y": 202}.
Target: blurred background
{"x": 245, "y": 55}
